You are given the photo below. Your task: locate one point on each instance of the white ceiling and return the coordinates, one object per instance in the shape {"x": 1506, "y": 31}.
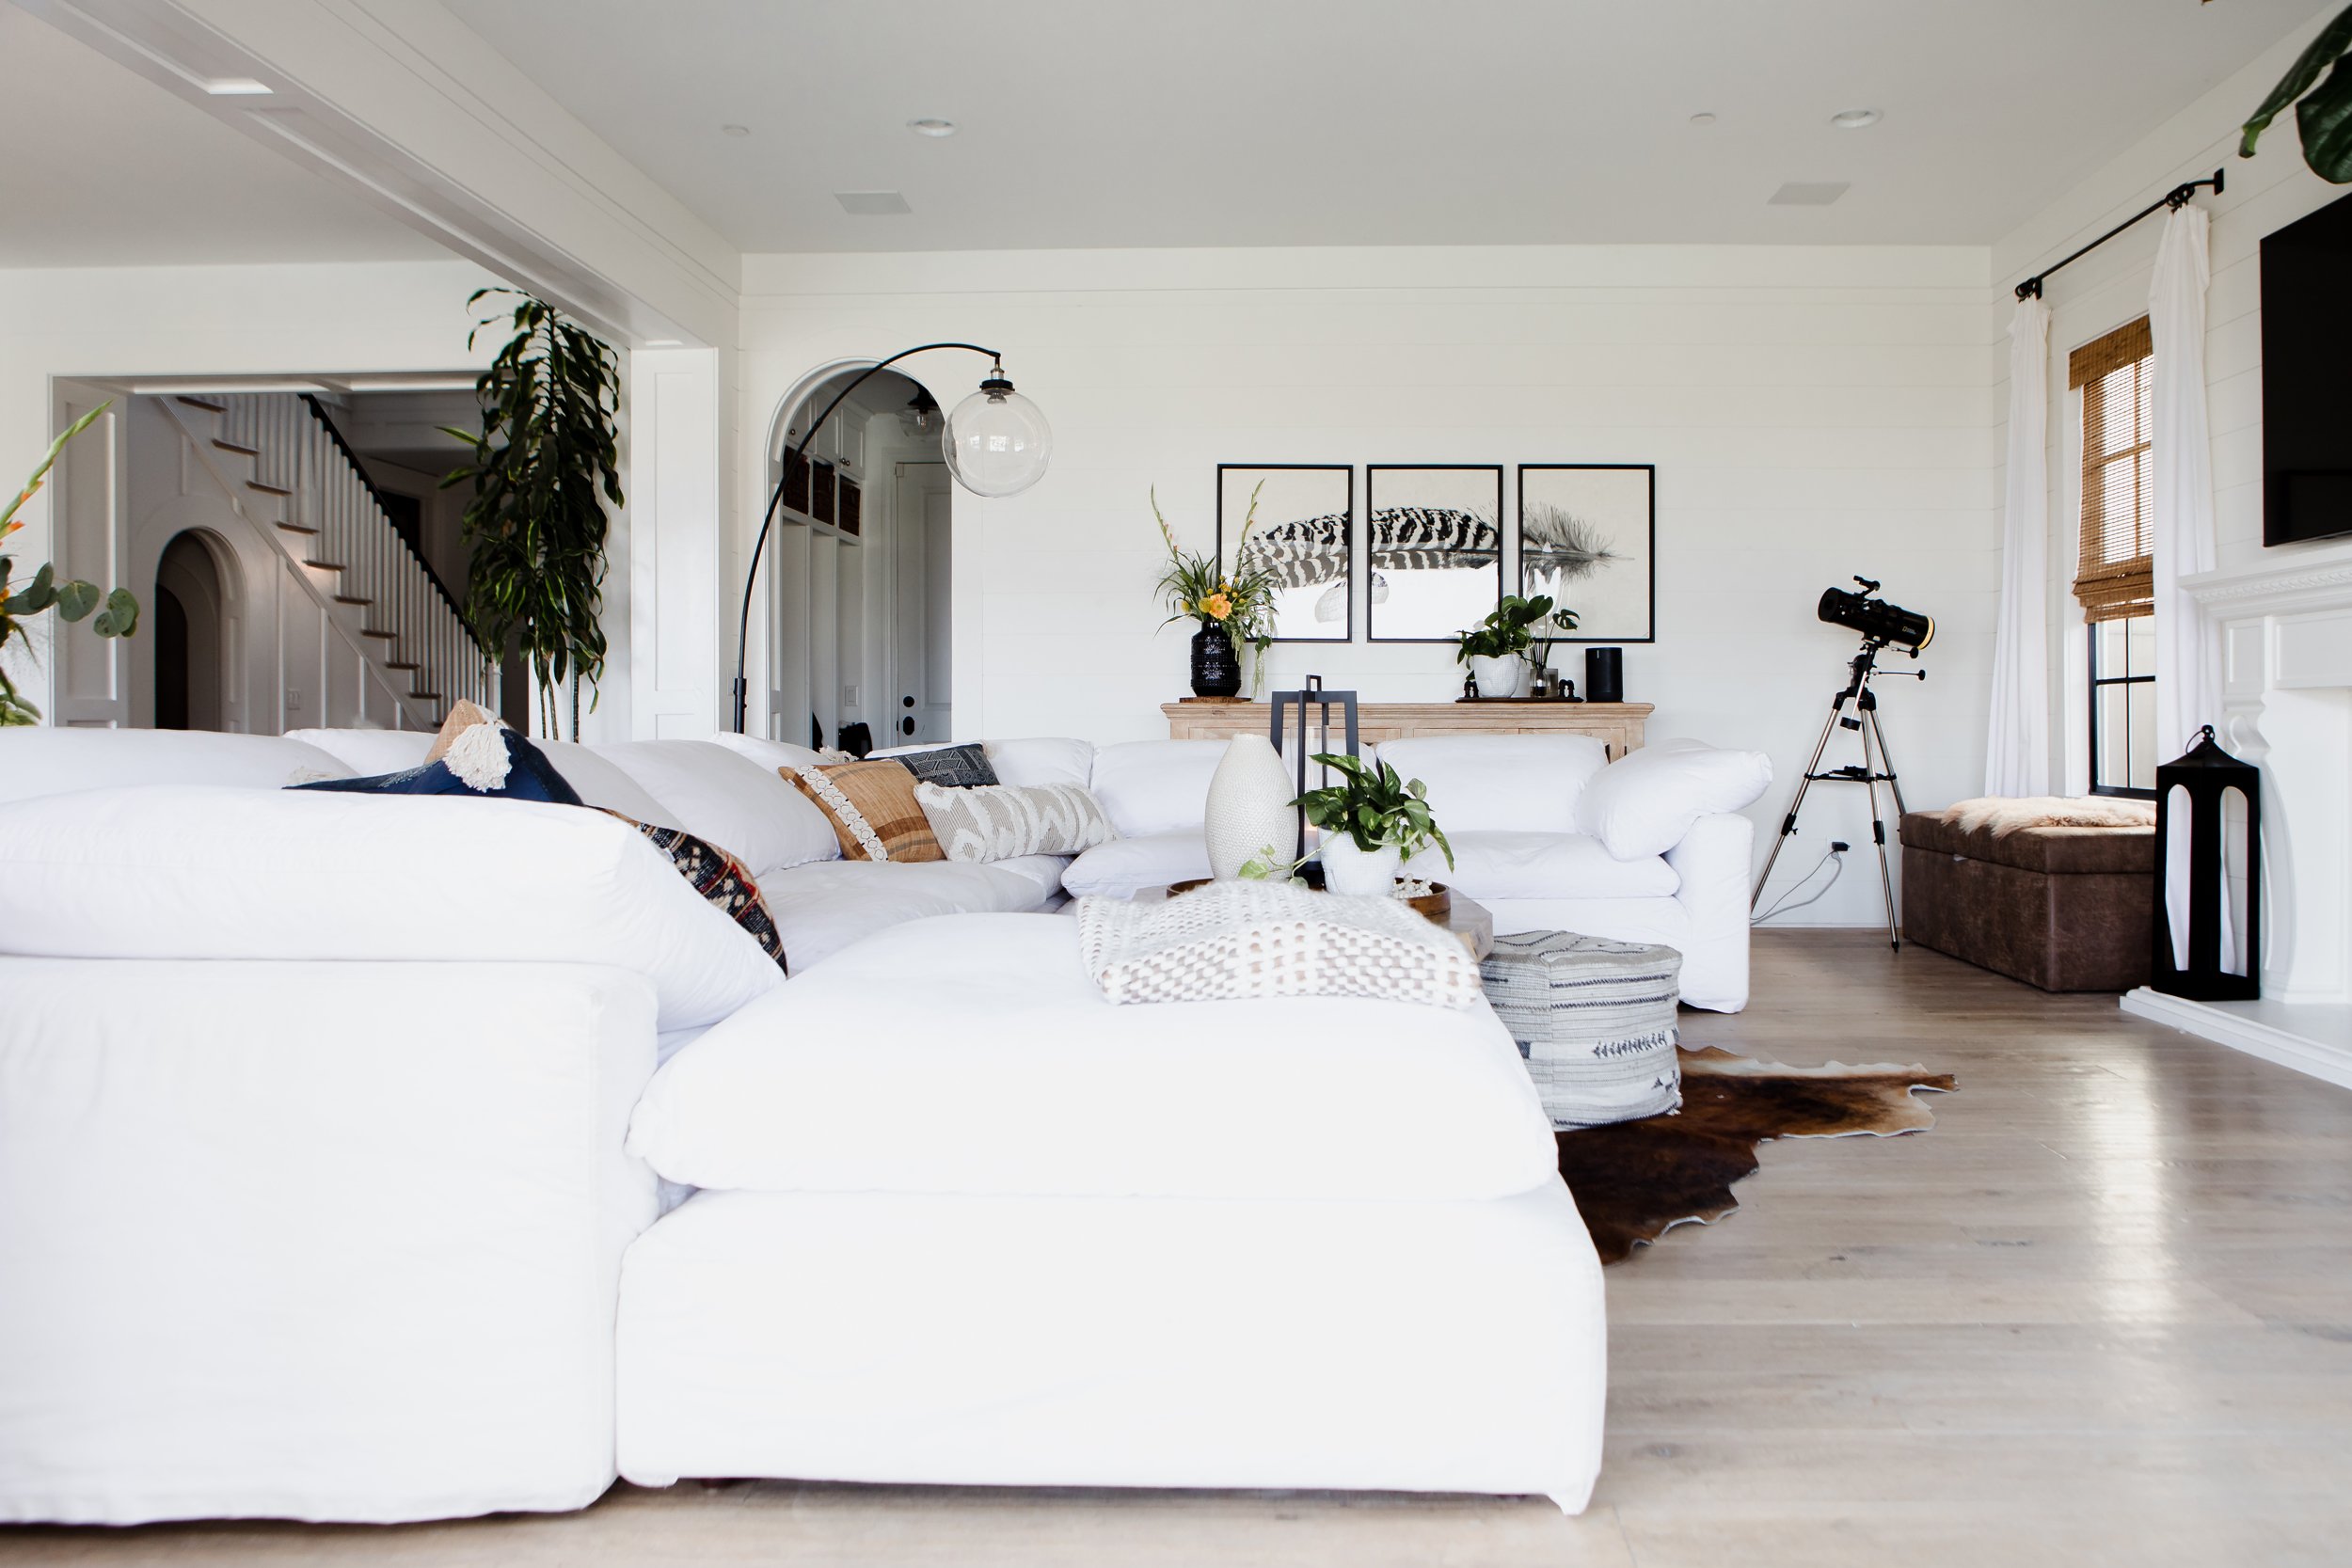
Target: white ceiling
{"x": 104, "y": 168}
{"x": 1264, "y": 122}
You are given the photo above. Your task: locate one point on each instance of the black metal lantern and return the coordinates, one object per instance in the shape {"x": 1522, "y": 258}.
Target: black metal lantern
{"x": 2205, "y": 776}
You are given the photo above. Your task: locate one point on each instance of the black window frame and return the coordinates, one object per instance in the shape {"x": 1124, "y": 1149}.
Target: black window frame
{"x": 2097, "y": 682}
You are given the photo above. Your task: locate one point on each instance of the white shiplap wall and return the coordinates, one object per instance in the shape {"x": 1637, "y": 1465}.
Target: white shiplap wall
{"x": 1812, "y": 412}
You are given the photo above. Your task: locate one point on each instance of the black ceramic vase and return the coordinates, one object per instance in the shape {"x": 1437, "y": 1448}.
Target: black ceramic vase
{"x": 1216, "y": 667}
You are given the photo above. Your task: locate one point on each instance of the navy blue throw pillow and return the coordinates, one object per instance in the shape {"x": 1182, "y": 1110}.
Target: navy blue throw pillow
{"x": 526, "y": 774}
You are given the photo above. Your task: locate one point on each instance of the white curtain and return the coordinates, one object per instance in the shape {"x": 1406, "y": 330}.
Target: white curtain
{"x": 2188, "y": 665}
{"x": 2017, "y": 740}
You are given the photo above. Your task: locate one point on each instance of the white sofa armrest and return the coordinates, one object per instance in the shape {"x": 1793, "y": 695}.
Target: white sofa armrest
{"x": 1713, "y": 862}
{"x": 312, "y": 1241}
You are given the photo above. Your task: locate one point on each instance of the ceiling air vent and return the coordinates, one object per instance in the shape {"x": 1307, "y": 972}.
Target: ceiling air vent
{"x": 885, "y": 203}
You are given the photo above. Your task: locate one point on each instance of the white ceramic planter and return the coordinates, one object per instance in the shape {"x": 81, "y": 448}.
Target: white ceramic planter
{"x": 1355, "y": 873}
{"x": 1249, "y": 808}
{"x": 1498, "y": 677}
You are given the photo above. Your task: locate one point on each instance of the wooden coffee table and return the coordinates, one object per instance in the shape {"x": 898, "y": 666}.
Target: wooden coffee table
{"x": 1470, "y": 922}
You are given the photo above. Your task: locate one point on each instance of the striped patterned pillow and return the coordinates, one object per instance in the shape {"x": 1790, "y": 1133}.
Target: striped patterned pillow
{"x": 872, "y": 807}
{"x": 1001, "y": 822}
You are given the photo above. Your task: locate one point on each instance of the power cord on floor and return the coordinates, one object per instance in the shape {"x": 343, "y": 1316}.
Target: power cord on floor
{"x": 1837, "y": 848}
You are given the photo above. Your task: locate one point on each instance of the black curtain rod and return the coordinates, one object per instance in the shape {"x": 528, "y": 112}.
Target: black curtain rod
{"x": 2174, "y": 198}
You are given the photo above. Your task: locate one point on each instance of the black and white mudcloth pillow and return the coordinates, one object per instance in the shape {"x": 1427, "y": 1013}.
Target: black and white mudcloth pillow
{"x": 1003, "y": 822}
{"x": 963, "y": 766}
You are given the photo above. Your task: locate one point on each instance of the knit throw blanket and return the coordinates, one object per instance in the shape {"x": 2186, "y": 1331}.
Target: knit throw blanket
{"x": 2006, "y": 816}
{"x": 1240, "y": 939}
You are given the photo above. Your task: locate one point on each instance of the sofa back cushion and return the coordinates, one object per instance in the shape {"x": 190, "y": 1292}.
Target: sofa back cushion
{"x": 1155, "y": 786}
{"x": 722, "y": 797}
{"x": 1520, "y": 784}
{"x": 1042, "y": 760}
{"x": 771, "y": 755}
{"x": 366, "y": 751}
{"x": 175, "y": 872}
{"x": 36, "y": 759}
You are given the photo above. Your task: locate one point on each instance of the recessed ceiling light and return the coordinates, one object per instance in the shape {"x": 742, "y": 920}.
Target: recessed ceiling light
{"x": 1855, "y": 119}
{"x": 872, "y": 203}
{"x": 933, "y": 127}
{"x": 735, "y": 130}
{"x": 1702, "y": 118}
{"x": 665, "y": 342}
{"x": 237, "y": 87}
{"x": 1799, "y": 193}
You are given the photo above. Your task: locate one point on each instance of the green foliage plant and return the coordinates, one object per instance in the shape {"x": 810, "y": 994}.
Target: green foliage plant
{"x": 73, "y": 598}
{"x": 1372, "y": 804}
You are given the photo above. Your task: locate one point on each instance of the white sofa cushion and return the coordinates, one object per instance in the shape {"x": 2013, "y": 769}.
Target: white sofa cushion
{"x": 369, "y": 753}
{"x": 724, "y": 797}
{"x": 1044, "y": 760}
{"x": 39, "y": 759}
{"x": 822, "y": 907}
{"x": 1125, "y": 867}
{"x": 1155, "y": 786}
{"x": 1499, "y": 783}
{"x": 1004, "y": 1071}
{"x": 771, "y": 755}
{"x": 1643, "y": 803}
{"x": 171, "y": 872}
{"x": 1543, "y": 866}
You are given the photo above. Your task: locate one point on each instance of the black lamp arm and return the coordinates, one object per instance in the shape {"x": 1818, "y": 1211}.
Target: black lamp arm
{"x": 775, "y": 500}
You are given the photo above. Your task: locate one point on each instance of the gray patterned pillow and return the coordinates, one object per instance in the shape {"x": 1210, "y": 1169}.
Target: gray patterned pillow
{"x": 963, "y": 767}
{"x": 1001, "y": 822}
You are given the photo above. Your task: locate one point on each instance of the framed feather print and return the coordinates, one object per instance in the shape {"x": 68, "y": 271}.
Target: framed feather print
{"x": 1435, "y": 549}
{"x": 1296, "y": 521}
{"x": 1588, "y": 536}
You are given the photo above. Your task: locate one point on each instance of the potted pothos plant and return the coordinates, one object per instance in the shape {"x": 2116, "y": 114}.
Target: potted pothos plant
{"x": 1496, "y": 648}
{"x": 73, "y": 598}
{"x": 1230, "y": 606}
{"x": 1372, "y": 820}
{"x": 545, "y": 468}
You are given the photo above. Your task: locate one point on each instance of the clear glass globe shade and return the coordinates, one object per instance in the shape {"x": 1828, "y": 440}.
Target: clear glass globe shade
{"x": 996, "y": 443}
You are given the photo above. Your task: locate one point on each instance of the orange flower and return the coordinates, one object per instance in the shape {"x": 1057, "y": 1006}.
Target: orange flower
{"x": 1217, "y": 605}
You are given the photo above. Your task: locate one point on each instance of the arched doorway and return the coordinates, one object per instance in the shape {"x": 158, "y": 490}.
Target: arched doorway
{"x": 191, "y": 622}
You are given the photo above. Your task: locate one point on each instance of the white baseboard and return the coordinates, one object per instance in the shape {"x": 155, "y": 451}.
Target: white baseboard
{"x": 2312, "y": 1038}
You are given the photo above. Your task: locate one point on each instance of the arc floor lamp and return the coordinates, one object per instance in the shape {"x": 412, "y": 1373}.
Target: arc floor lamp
{"x": 995, "y": 443}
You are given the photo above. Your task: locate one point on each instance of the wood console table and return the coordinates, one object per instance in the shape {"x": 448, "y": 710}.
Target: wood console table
{"x": 1615, "y": 725}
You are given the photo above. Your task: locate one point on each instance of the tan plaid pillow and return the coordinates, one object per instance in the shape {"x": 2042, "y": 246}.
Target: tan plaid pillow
{"x": 872, "y": 807}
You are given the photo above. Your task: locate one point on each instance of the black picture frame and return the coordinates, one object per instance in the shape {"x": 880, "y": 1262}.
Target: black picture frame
{"x": 1234, "y": 498}
{"x": 1475, "y": 607}
{"x": 1612, "y": 528}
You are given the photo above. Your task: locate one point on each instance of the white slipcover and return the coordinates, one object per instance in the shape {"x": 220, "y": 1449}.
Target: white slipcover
{"x": 1499, "y": 783}
{"x": 312, "y": 1241}
{"x": 723, "y": 798}
{"x": 1489, "y": 865}
{"x": 822, "y": 907}
{"x": 1643, "y": 804}
{"x": 973, "y": 1054}
{"x": 1126, "y": 867}
{"x": 1156, "y": 787}
{"x": 39, "y": 759}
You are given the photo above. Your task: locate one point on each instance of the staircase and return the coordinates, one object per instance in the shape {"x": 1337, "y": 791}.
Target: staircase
{"x": 288, "y": 471}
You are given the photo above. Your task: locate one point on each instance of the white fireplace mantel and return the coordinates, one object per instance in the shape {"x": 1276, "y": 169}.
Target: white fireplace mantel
{"x": 2286, "y": 634}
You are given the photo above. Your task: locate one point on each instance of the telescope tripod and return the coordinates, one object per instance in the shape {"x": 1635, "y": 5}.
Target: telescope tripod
{"x": 1877, "y": 767}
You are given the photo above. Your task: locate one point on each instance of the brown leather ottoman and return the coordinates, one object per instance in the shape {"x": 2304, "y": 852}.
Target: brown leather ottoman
{"x": 2065, "y": 908}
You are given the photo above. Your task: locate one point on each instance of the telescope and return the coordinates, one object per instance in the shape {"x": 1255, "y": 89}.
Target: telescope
{"x": 1878, "y": 622}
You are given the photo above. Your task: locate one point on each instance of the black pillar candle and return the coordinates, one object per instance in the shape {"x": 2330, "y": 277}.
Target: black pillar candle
{"x": 1604, "y": 675}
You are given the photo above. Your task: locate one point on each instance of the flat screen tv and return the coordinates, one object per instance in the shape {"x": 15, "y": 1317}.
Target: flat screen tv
{"x": 2306, "y": 396}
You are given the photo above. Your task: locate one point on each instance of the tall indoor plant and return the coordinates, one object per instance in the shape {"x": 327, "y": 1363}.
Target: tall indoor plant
{"x": 545, "y": 468}
{"x": 2323, "y": 116}
{"x": 73, "y": 599}
{"x": 1371, "y": 819}
{"x": 1231, "y": 608}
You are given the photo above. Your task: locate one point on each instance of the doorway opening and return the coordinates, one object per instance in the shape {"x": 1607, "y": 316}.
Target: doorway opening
{"x": 191, "y": 637}
{"x": 860, "y": 591}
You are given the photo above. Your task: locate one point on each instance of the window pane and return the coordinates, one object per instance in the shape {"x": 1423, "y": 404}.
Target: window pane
{"x": 2139, "y": 653}
{"x": 2107, "y": 652}
{"x": 2111, "y": 737}
{"x": 2142, "y": 701}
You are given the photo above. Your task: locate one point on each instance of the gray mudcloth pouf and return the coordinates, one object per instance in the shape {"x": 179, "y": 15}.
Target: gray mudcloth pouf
{"x": 1595, "y": 1020}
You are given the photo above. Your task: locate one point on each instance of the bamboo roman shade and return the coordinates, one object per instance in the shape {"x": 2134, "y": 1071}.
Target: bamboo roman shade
{"x": 2115, "y": 574}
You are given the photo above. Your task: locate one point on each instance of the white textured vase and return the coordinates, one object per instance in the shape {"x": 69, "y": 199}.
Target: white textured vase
{"x": 1498, "y": 675}
{"x": 1249, "y": 808}
{"x": 1355, "y": 873}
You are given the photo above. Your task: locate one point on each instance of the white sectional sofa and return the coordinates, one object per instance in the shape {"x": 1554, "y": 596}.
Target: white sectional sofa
{"x": 315, "y": 1203}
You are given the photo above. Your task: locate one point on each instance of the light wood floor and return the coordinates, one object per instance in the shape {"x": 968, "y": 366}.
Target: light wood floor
{"x": 2101, "y": 1314}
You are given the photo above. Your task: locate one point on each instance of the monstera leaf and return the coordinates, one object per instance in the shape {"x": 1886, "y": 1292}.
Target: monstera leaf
{"x": 2323, "y": 114}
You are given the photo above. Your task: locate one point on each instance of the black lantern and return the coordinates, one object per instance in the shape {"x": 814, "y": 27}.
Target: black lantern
{"x": 2204, "y": 778}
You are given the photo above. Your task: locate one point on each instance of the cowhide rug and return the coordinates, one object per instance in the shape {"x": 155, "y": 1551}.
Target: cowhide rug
{"x": 1637, "y": 1180}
